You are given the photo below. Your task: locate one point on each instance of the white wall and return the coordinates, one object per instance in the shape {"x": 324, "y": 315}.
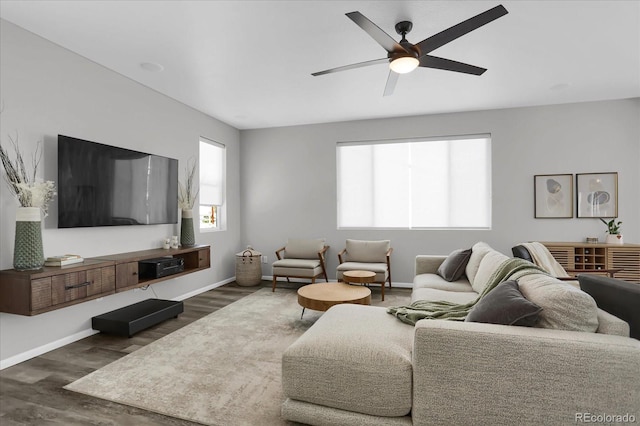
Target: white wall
{"x": 289, "y": 176}
{"x": 47, "y": 90}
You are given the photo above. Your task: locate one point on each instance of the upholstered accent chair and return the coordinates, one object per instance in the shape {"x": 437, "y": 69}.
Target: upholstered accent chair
{"x": 374, "y": 256}
{"x": 301, "y": 258}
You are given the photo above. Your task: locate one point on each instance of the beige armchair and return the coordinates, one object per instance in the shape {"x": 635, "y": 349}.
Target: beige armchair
{"x": 300, "y": 258}
{"x": 374, "y": 256}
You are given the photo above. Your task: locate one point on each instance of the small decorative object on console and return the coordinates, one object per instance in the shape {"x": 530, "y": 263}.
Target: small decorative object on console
{"x": 67, "y": 259}
{"x": 174, "y": 242}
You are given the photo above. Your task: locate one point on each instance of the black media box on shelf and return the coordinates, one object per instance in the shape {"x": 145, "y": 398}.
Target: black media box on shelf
{"x": 134, "y": 318}
{"x": 160, "y": 267}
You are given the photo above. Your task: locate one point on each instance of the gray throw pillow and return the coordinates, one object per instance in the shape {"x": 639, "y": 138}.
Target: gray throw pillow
{"x": 505, "y": 305}
{"x": 452, "y": 269}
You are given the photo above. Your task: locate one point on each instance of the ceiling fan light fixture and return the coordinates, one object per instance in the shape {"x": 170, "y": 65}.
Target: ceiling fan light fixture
{"x": 404, "y": 64}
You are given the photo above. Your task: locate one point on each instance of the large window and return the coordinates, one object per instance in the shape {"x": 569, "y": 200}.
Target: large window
{"x": 212, "y": 184}
{"x": 420, "y": 183}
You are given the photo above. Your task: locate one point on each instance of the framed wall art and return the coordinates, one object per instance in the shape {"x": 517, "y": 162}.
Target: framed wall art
{"x": 553, "y": 196}
{"x": 597, "y": 194}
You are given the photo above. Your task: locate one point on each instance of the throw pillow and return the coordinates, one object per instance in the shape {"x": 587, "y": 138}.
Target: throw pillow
{"x": 505, "y": 305}
{"x": 488, "y": 265}
{"x": 478, "y": 251}
{"x": 565, "y": 307}
{"x": 452, "y": 269}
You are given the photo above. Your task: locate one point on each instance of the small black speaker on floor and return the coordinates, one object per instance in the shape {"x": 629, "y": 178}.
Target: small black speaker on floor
{"x": 134, "y": 318}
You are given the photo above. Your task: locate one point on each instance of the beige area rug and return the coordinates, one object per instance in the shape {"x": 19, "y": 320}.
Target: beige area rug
{"x": 223, "y": 369}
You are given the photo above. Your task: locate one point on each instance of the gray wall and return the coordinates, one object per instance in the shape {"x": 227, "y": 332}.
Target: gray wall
{"x": 47, "y": 90}
{"x": 289, "y": 177}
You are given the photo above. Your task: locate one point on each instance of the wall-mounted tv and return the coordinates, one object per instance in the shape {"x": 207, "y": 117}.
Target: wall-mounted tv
{"x": 102, "y": 185}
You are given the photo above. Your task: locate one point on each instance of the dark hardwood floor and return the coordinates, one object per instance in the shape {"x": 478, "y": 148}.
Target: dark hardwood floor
{"x": 31, "y": 392}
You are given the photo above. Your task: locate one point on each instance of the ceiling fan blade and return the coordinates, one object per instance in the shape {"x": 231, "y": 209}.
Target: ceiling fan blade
{"x": 443, "y": 37}
{"x": 391, "y": 83}
{"x": 352, "y": 66}
{"x": 429, "y": 61}
{"x": 383, "y": 39}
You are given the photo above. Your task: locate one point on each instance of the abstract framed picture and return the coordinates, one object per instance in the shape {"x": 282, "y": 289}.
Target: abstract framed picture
{"x": 553, "y": 196}
{"x": 597, "y": 194}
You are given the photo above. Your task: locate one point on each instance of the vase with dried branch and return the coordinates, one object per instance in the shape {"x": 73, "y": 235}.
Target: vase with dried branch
{"x": 34, "y": 196}
{"x": 187, "y": 194}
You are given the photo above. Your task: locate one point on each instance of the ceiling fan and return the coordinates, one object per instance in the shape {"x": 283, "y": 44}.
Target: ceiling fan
{"x": 403, "y": 57}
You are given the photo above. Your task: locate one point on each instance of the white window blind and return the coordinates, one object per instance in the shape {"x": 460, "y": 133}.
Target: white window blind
{"x": 212, "y": 173}
{"x": 425, "y": 183}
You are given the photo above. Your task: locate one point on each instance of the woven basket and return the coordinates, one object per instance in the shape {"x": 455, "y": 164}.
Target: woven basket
{"x": 248, "y": 267}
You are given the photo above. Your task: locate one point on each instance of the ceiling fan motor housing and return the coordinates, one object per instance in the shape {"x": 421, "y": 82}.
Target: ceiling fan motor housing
{"x": 402, "y": 28}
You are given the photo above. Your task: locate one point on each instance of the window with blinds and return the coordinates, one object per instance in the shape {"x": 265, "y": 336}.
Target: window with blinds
{"x": 212, "y": 183}
{"x": 442, "y": 183}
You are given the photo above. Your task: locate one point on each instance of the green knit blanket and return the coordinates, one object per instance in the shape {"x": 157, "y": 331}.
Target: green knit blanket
{"x": 424, "y": 309}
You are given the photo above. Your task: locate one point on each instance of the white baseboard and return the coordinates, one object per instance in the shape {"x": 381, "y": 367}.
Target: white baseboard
{"x": 32, "y": 353}
{"x": 203, "y": 289}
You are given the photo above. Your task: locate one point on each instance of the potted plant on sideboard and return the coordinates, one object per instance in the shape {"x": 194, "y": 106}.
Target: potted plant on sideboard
{"x": 613, "y": 231}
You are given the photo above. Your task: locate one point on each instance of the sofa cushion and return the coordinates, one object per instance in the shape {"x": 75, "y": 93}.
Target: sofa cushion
{"x": 297, "y": 263}
{"x": 478, "y": 251}
{"x": 563, "y": 306}
{"x": 436, "y": 281}
{"x": 344, "y": 362}
{"x": 297, "y": 268}
{"x": 505, "y": 305}
{"x": 453, "y": 267}
{"x": 433, "y": 295}
{"x": 488, "y": 265}
{"x": 367, "y": 251}
{"x": 303, "y": 248}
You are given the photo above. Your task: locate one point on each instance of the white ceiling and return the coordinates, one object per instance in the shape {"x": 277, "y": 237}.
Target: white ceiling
{"x": 249, "y": 63}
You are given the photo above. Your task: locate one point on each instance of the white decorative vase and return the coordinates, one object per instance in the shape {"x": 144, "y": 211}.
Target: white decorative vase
{"x": 614, "y": 239}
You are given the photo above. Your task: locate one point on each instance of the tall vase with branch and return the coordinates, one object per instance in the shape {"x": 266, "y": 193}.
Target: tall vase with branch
{"x": 33, "y": 195}
{"x": 187, "y": 194}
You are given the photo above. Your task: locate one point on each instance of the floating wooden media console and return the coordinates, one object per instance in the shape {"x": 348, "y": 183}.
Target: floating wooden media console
{"x": 51, "y": 288}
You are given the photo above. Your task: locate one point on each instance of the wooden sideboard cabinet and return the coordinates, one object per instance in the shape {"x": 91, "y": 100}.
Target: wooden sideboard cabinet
{"x": 50, "y": 288}
{"x": 593, "y": 257}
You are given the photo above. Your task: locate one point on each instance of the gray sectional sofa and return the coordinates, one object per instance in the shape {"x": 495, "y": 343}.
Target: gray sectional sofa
{"x": 359, "y": 365}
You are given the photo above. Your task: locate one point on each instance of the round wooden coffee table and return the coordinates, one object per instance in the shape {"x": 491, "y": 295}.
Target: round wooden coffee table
{"x": 360, "y": 277}
{"x": 321, "y": 297}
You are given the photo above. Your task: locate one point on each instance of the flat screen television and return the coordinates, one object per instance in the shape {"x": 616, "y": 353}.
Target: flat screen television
{"x": 102, "y": 185}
